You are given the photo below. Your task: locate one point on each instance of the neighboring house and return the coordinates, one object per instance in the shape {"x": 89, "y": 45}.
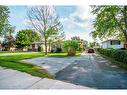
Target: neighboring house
{"x": 116, "y": 44}
{"x": 34, "y": 46}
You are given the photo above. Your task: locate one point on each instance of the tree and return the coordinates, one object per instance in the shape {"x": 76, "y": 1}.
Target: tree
{"x": 9, "y": 40}
{"x": 25, "y": 37}
{"x": 85, "y": 43}
{"x": 81, "y": 43}
{"x": 4, "y": 15}
{"x": 45, "y": 21}
{"x": 93, "y": 44}
{"x": 70, "y": 47}
{"x": 110, "y": 21}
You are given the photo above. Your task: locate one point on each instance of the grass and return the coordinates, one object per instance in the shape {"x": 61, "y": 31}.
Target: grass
{"x": 1, "y": 52}
{"x": 119, "y": 64}
{"x": 62, "y": 54}
{"x": 13, "y": 62}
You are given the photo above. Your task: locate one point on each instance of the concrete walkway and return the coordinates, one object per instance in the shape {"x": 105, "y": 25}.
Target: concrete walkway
{"x": 12, "y": 79}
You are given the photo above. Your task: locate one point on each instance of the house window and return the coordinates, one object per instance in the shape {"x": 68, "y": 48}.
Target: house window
{"x": 115, "y": 42}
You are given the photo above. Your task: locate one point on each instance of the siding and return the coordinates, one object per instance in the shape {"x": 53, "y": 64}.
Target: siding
{"x": 108, "y": 45}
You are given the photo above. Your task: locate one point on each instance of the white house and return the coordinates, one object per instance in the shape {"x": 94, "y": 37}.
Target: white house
{"x": 116, "y": 44}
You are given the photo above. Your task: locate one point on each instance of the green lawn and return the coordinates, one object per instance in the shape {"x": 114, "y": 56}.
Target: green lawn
{"x": 62, "y": 54}
{"x": 1, "y": 52}
{"x": 13, "y": 62}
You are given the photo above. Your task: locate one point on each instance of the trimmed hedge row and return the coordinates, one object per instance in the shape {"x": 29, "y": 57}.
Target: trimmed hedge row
{"x": 118, "y": 55}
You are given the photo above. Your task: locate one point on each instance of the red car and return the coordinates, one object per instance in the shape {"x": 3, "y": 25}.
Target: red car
{"x": 90, "y": 50}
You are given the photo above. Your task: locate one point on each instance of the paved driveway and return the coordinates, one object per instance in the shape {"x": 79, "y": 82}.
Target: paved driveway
{"x": 92, "y": 70}
{"x": 53, "y": 64}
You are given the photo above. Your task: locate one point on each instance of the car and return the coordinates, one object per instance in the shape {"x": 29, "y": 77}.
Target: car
{"x": 90, "y": 50}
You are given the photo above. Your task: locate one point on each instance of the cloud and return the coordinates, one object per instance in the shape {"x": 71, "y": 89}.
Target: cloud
{"x": 79, "y": 23}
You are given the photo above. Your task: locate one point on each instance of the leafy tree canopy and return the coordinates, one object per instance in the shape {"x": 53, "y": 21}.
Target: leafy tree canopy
{"x": 26, "y": 37}
{"x": 4, "y": 14}
{"x": 110, "y": 21}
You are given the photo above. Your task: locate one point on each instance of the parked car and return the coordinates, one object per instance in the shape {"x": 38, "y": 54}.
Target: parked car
{"x": 91, "y": 50}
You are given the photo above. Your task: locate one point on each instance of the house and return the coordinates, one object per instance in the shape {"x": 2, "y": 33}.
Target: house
{"x": 34, "y": 46}
{"x": 116, "y": 44}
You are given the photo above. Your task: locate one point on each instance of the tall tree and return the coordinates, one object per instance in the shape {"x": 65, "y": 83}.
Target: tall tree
{"x": 45, "y": 21}
{"x": 25, "y": 37}
{"x": 4, "y": 14}
{"x": 9, "y": 40}
{"x": 110, "y": 21}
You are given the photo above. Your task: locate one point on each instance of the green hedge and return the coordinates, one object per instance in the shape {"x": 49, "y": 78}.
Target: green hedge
{"x": 118, "y": 55}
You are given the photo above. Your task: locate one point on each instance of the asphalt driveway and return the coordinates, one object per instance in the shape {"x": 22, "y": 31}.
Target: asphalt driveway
{"x": 93, "y": 71}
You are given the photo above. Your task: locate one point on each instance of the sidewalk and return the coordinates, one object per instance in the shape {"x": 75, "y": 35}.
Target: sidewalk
{"x": 12, "y": 79}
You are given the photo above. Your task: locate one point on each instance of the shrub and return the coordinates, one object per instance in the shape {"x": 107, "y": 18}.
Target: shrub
{"x": 40, "y": 48}
{"x": 58, "y": 50}
{"x": 52, "y": 51}
{"x": 70, "y": 47}
{"x": 119, "y": 55}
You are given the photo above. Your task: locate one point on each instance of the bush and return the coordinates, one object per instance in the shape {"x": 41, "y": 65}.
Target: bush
{"x": 52, "y": 51}
{"x": 118, "y": 55}
{"x": 40, "y": 48}
{"x": 70, "y": 47}
{"x": 58, "y": 50}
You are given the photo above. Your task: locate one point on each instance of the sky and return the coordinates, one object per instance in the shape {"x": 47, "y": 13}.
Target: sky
{"x": 76, "y": 20}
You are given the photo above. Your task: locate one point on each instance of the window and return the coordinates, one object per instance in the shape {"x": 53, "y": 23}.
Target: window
{"x": 115, "y": 42}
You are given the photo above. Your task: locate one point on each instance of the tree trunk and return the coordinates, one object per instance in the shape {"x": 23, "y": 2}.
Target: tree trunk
{"x": 46, "y": 52}
{"x": 125, "y": 21}
{"x": 49, "y": 46}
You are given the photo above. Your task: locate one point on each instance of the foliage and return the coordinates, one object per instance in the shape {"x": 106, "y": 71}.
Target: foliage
{"x": 25, "y": 37}
{"x": 110, "y": 21}
{"x": 56, "y": 40}
{"x": 14, "y": 62}
{"x": 8, "y": 42}
{"x": 4, "y": 15}
{"x": 70, "y": 47}
{"x": 81, "y": 43}
{"x": 118, "y": 55}
{"x": 93, "y": 44}
{"x": 63, "y": 54}
{"x": 85, "y": 43}
{"x": 58, "y": 50}
{"x": 40, "y": 48}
